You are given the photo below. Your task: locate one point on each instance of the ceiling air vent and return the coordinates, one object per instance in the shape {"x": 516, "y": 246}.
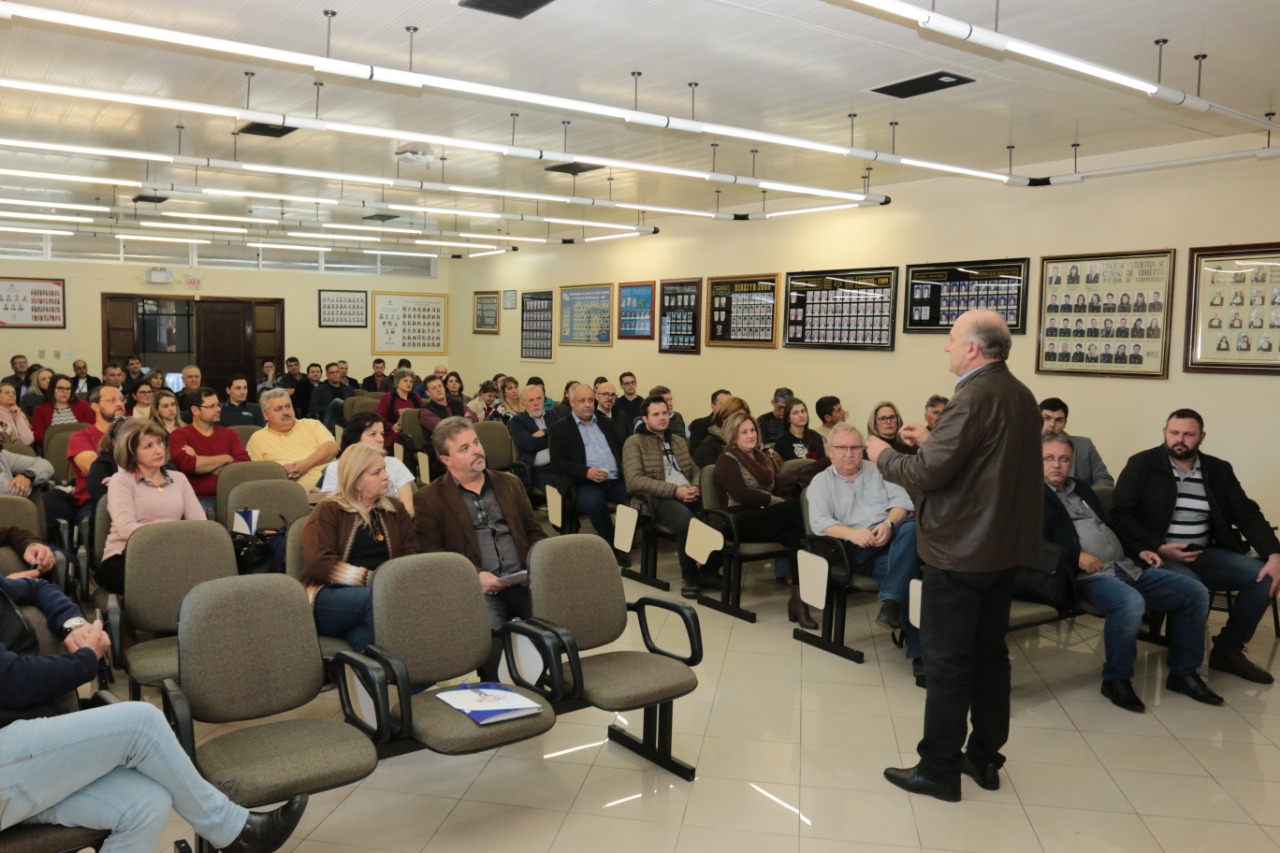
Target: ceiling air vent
{"x": 275, "y": 131}
{"x": 380, "y": 217}
{"x": 573, "y": 168}
{"x": 934, "y": 82}
{"x": 150, "y": 199}
{"x": 507, "y": 8}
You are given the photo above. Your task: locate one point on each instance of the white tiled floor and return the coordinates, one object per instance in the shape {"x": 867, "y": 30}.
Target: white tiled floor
{"x": 790, "y": 743}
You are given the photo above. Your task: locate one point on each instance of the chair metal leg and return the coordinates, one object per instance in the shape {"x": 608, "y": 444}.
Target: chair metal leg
{"x": 656, "y": 745}
{"x": 135, "y": 690}
{"x": 648, "y": 574}
{"x": 730, "y": 601}
{"x": 830, "y": 637}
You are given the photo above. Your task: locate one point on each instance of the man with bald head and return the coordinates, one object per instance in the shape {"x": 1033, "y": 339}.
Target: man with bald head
{"x": 586, "y": 456}
{"x": 979, "y": 481}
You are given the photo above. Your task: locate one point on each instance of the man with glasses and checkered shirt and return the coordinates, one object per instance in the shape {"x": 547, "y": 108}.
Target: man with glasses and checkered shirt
{"x": 870, "y": 516}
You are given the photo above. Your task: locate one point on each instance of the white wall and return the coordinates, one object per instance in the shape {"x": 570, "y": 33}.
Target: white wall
{"x": 938, "y": 220}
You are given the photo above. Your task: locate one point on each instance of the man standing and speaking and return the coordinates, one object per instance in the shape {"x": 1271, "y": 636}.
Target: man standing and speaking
{"x": 980, "y": 506}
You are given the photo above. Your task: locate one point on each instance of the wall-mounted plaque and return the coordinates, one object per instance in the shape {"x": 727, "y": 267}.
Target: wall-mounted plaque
{"x": 742, "y": 311}
{"x": 485, "y": 319}
{"x": 679, "y": 314}
{"x": 841, "y": 309}
{"x": 937, "y": 294}
{"x": 410, "y": 323}
{"x": 1233, "y": 309}
{"x": 586, "y": 315}
{"x": 635, "y": 310}
{"x": 33, "y": 303}
{"x": 537, "y": 327}
{"x": 343, "y": 309}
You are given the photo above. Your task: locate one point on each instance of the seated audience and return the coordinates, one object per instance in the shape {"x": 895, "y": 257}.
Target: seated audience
{"x": 607, "y": 407}
{"x": 116, "y": 768}
{"x": 771, "y": 425}
{"x": 102, "y": 469}
{"x": 41, "y": 559}
{"x": 454, "y": 388}
{"x": 346, "y": 377}
{"x": 107, "y": 404}
{"x": 304, "y": 387}
{"x": 373, "y": 382}
{"x": 630, "y": 402}
{"x": 13, "y": 421}
{"x": 441, "y": 370}
{"x": 1123, "y": 582}
{"x": 19, "y": 472}
{"x": 302, "y": 446}
{"x": 1187, "y": 506}
{"x": 830, "y": 413}
{"x": 133, "y": 374}
{"x": 398, "y": 398}
{"x": 698, "y": 426}
{"x": 238, "y": 411}
{"x": 18, "y": 379}
{"x": 165, "y": 411}
{"x": 486, "y": 517}
{"x": 746, "y": 478}
{"x": 884, "y": 423}
{"x": 485, "y": 404}
{"x": 60, "y": 406}
{"x": 204, "y": 447}
{"x": 512, "y": 401}
{"x": 141, "y": 492}
{"x": 83, "y": 382}
{"x": 138, "y": 402}
{"x": 677, "y": 424}
{"x": 529, "y": 431}
{"x": 933, "y": 407}
{"x": 157, "y": 379}
{"x": 586, "y": 457}
{"x": 327, "y": 398}
{"x": 437, "y": 406}
{"x": 38, "y": 379}
{"x": 713, "y": 445}
{"x": 366, "y": 428}
{"x": 564, "y": 409}
{"x": 798, "y": 441}
{"x": 192, "y": 378}
{"x": 656, "y": 461}
{"x": 870, "y": 516}
{"x": 348, "y": 535}
{"x": 1087, "y": 466}
{"x": 269, "y": 378}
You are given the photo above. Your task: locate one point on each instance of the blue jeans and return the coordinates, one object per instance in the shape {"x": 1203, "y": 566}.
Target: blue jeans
{"x": 591, "y": 498}
{"x": 347, "y": 612}
{"x": 1123, "y": 600}
{"x": 117, "y": 768}
{"x": 893, "y": 567}
{"x": 1218, "y": 568}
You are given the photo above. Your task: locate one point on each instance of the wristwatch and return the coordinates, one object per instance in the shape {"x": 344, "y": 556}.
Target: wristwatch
{"x": 72, "y": 624}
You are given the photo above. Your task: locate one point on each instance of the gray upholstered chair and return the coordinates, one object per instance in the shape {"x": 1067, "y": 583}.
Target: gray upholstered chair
{"x": 577, "y": 592}
{"x": 430, "y": 625}
{"x": 236, "y": 473}
{"x": 279, "y": 502}
{"x": 353, "y": 406}
{"x": 22, "y": 513}
{"x": 247, "y": 649}
{"x": 162, "y": 563}
{"x": 500, "y": 450}
{"x": 245, "y": 431}
{"x": 841, "y": 581}
{"x": 736, "y": 552}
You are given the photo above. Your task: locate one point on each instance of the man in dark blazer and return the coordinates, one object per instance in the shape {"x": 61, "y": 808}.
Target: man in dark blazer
{"x": 529, "y": 431}
{"x": 1123, "y": 582}
{"x": 586, "y": 456}
{"x": 82, "y": 383}
{"x": 1188, "y": 507}
{"x": 483, "y": 515}
{"x": 978, "y": 475}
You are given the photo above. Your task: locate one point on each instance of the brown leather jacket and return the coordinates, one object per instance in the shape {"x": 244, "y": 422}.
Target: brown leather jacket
{"x": 443, "y": 523}
{"x": 327, "y": 538}
{"x": 979, "y": 477}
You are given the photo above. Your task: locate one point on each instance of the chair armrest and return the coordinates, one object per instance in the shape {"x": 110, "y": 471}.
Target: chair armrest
{"x": 567, "y": 646}
{"x": 114, "y": 619}
{"x": 394, "y": 672}
{"x": 178, "y": 712}
{"x": 522, "y": 471}
{"x": 725, "y": 523}
{"x": 106, "y": 697}
{"x": 648, "y": 516}
{"x": 830, "y": 549}
{"x": 687, "y": 615}
{"x": 548, "y": 645}
{"x": 373, "y": 678}
{"x": 59, "y": 574}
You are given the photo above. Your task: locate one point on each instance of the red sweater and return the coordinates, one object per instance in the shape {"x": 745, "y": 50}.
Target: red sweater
{"x": 223, "y": 442}
{"x": 42, "y": 417}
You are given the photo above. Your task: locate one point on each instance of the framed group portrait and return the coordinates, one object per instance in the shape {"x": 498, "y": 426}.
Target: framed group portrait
{"x": 742, "y": 311}
{"x": 537, "y": 331}
{"x": 1233, "y": 309}
{"x": 343, "y": 309}
{"x": 1106, "y": 314}
{"x": 937, "y": 294}
{"x": 586, "y": 315}
{"x": 33, "y": 303}
{"x": 841, "y": 309}
{"x": 485, "y": 314}
{"x": 679, "y": 316}
{"x": 635, "y": 310}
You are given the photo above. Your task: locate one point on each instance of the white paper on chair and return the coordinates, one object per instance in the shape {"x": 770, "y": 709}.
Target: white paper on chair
{"x": 624, "y": 527}
{"x": 245, "y": 521}
{"x": 915, "y": 591}
{"x": 813, "y": 571}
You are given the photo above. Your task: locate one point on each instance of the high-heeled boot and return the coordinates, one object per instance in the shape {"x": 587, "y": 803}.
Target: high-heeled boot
{"x": 798, "y": 611}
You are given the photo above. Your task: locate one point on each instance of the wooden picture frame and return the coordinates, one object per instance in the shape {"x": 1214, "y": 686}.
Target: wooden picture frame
{"x": 841, "y": 309}
{"x": 486, "y": 314}
{"x": 680, "y": 316}
{"x": 33, "y": 303}
{"x": 742, "y": 311}
{"x": 1101, "y": 302}
{"x": 635, "y": 311}
{"x": 586, "y": 315}
{"x": 410, "y": 323}
{"x": 537, "y": 325}
{"x": 343, "y": 309}
{"x": 1233, "y": 297}
{"x": 935, "y": 295}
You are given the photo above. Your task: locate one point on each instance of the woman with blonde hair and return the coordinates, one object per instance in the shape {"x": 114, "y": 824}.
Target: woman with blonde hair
{"x": 165, "y": 412}
{"x": 349, "y": 534}
{"x": 884, "y": 422}
{"x": 13, "y": 421}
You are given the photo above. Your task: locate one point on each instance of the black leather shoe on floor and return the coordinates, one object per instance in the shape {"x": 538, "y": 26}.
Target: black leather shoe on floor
{"x": 1234, "y": 662}
{"x": 1192, "y": 685}
{"x": 889, "y": 615}
{"x": 917, "y": 669}
{"x": 1120, "y": 692}
{"x": 688, "y": 588}
{"x": 913, "y": 781}
{"x": 624, "y": 560}
{"x": 986, "y": 775}
{"x": 267, "y": 831}
{"x": 710, "y": 580}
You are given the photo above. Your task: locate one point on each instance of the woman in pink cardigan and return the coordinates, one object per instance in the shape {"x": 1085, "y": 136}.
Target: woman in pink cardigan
{"x": 141, "y": 492}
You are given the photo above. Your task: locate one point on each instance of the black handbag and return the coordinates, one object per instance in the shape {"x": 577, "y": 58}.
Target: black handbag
{"x": 1048, "y": 581}
{"x": 261, "y": 552}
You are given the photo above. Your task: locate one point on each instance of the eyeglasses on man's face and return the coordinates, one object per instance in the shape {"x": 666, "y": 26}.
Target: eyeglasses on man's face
{"x": 847, "y": 448}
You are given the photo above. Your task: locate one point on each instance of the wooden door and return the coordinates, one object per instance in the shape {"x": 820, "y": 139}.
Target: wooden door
{"x": 224, "y": 340}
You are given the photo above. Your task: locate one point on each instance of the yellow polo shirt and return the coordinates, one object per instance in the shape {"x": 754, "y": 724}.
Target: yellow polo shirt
{"x": 298, "y": 443}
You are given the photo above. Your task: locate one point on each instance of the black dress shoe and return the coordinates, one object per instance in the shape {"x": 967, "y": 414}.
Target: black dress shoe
{"x": 1120, "y": 692}
{"x": 917, "y": 669}
{"x": 710, "y": 580}
{"x": 986, "y": 775}
{"x": 624, "y": 559}
{"x": 1234, "y": 662}
{"x": 913, "y": 781}
{"x": 267, "y": 831}
{"x": 1192, "y": 685}
{"x": 688, "y": 588}
{"x": 890, "y": 615}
